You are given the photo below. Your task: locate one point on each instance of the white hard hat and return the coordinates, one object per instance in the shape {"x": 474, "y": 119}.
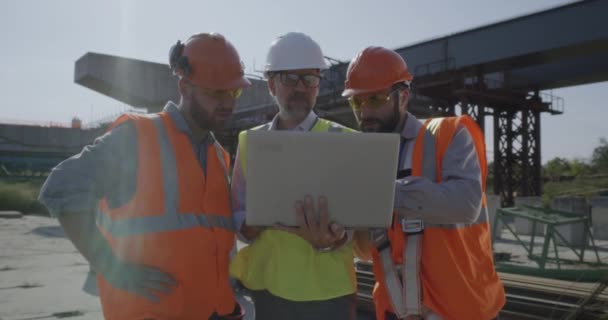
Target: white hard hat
{"x": 292, "y": 51}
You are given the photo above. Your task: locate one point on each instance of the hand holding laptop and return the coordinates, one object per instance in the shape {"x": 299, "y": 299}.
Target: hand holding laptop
{"x": 321, "y": 233}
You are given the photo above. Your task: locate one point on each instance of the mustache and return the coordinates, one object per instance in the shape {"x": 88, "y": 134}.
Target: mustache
{"x": 298, "y": 96}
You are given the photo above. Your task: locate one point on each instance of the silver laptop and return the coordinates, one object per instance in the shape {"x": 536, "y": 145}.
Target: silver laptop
{"x": 355, "y": 171}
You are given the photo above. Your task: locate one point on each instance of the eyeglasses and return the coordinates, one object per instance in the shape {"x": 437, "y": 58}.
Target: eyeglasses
{"x": 292, "y": 79}
{"x": 374, "y": 101}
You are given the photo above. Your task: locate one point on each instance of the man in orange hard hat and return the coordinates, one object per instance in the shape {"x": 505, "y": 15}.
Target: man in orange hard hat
{"x": 435, "y": 262}
{"x": 148, "y": 203}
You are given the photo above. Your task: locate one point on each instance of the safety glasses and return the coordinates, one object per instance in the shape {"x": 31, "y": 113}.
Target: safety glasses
{"x": 373, "y": 101}
{"x": 221, "y": 94}
{"x": 292, "y": 79}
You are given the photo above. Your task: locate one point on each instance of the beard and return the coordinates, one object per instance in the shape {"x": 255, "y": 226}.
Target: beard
{"x": 203, "y": 118}
{"x": 297, "y": 105}
{"x": 379, "y": 125}
{"x": 383, "y": 125}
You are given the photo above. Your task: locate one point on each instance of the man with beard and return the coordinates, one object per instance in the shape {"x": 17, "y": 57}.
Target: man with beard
{"x": 148, "y": 203}
{"x": 436, "y": 261}
{"x": 305, "y": 272}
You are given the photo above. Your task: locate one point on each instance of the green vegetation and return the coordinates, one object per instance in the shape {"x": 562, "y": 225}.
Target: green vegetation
{"x": 572, "y": 177}
{"x": 21, "y": 196}
{"x": 563, "y": 177}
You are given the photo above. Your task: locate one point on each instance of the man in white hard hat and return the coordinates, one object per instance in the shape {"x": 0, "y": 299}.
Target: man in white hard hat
{"x": 305, "y": 272}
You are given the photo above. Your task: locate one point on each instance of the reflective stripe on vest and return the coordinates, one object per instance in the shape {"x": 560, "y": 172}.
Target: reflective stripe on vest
{"x": 170, "y": 219}
{"x": 406, "y": 297}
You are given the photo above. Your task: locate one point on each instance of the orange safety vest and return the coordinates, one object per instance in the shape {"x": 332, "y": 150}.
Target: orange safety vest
{"x": 456, "y": 273}
{"x": 178, "y": 221}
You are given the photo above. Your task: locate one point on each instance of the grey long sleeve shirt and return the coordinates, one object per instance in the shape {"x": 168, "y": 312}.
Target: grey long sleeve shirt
{"x": 108, "y": 168}
{"x": 457, "y": 199}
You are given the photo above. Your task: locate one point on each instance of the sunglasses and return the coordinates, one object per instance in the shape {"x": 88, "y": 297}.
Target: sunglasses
{"x": 292, "y": 79}
{"x": 373, "y": 101}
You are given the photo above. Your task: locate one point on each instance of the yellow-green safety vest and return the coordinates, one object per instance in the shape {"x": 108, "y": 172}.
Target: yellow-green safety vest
{"x": 287, "y": 265}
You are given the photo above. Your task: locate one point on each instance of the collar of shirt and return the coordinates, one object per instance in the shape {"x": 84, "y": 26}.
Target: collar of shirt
{"x": 411, "y": 128}
{"x": 305, "y": 125}
{"x": 180, "y": 123}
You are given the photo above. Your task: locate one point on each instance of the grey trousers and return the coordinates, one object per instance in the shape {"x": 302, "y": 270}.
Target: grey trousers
{"x": 271, "y": 307}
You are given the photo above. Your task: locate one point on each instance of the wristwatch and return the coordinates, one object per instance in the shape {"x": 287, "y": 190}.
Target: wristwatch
{"x": 332, "y": 247}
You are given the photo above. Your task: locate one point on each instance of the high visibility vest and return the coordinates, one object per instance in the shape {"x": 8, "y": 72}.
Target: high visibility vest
{"x": 179, "y": 221}
{"x": 456, "y": 277}
{"x": 287, "y": 265}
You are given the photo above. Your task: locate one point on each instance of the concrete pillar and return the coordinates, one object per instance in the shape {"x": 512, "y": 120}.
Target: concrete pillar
{"x": 524, "y": 226}
{"x": 493, "y": 205}
{"x": 574, "y": 233}
{"x": 599, "y": 216}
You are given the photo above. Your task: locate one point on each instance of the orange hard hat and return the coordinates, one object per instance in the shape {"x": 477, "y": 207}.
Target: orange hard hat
{"x": 375, "y": 69}
{"x": 209, "y": 61}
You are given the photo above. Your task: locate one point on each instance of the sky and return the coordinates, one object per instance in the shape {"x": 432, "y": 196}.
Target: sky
{"x": 41, "y": 40}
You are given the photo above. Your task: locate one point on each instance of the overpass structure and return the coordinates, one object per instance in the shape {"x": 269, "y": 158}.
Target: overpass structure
{"x": 501, "y": 70}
